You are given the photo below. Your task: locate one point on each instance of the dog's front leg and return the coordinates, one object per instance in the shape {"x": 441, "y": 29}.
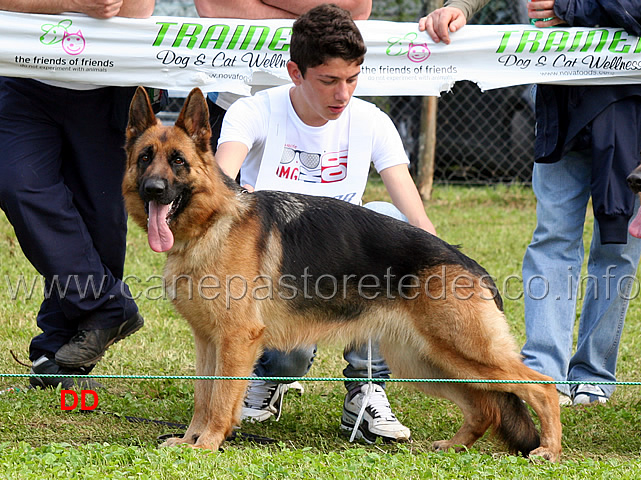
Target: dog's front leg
{"x": 236, "y": 352}
{"x": 205, "y": 366}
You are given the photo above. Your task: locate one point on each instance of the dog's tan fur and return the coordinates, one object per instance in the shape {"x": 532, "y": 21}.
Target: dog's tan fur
{"x": 219, "y": 235}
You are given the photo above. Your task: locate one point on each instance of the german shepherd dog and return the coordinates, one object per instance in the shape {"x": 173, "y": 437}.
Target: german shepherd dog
{"x": 277, "y": 270}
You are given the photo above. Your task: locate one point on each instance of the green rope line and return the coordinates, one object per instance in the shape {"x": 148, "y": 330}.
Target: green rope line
{"x": 313, "y": 379}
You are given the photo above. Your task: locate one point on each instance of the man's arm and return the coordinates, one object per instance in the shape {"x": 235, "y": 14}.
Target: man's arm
{"x": 93, "y": 8}
{"x": 405, "y": 196}
{"x": 360, "y": 9}
{"x": 230, "y": 157}
{"x": 264, "y": 9}
{"x": 249, "y": 9}
{"x": 137, "y": 8}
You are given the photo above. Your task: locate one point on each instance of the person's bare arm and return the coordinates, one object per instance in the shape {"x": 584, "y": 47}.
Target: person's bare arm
{"x": 93, "y": 8}
{"x": 137, "y": 8}
{"x": 405, "y": 196}
{"x": 230, "y": 157}
{"x": 249, "y": 9}
{"x": 360, "y": 9}
{"x": 264, "y": 9}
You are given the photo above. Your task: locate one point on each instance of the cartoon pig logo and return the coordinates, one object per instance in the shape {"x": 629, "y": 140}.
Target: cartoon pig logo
{"x": 418, "y": 52}
{"x": 73, "y": 43}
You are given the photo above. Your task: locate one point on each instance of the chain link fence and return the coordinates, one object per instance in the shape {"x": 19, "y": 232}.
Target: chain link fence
{"x": 481, "y": 137}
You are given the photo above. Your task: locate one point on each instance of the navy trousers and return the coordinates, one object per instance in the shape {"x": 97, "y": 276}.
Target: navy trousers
{"x": 61, "y": 167}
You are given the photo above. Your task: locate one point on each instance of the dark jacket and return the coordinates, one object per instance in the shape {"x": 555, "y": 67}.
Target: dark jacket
{"x": 567, "y": 119}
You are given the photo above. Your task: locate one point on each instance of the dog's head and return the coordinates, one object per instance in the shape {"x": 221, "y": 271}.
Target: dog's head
{"x": 166, "y": 166}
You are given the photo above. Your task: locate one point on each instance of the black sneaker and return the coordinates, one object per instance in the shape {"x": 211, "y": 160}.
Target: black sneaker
{"x": 44, "y": 365}
{"x": 88, "y": 346}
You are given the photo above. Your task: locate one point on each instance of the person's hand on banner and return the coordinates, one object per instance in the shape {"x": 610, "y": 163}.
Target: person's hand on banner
{"x": 439, "y": 23}
{"x": 543, "y": 12}
{"x": 101, "y": 9}
{"x": 96, "y": 8}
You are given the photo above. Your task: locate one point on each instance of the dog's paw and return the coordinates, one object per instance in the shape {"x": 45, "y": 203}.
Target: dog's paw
{"x": 544, "y": 453}
{"x": 175, "y": 442}
{"x": 445, "y": 445}
{"x": 209, "y": 442}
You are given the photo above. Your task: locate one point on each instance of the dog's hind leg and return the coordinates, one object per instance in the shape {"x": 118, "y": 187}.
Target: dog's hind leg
{"x": 544, "y": 399}
{"x": 475, "y": 422}
{"x": 407, "y": 362}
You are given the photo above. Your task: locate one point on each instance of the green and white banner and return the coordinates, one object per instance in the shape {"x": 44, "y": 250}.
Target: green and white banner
{"x": 179, "y": 53}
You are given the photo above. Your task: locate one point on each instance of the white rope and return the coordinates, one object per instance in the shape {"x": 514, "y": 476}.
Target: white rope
{"x": 359, "y": 419}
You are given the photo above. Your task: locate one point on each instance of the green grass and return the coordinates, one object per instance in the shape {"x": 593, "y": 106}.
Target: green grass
{"x": 492, "y": 225}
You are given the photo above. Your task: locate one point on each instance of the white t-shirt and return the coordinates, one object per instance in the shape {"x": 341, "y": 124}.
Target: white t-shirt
{"x": 313, "y": 154}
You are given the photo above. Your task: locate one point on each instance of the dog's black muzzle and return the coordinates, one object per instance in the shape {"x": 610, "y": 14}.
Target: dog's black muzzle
{"x": 157, "y": 189}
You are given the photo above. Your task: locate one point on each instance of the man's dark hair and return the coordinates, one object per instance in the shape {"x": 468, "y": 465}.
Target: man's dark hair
{"x": 325, "y": 32}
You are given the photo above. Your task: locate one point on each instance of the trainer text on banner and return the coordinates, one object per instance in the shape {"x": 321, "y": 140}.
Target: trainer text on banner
{"x": 232, "y": 55}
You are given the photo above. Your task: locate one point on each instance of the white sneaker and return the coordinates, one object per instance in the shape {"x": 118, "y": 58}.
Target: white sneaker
{"x": 378, "y": 419}
{"x": 587, "y": 394}
{"x": 264, "y": 399}
{"x": 564, "y": 400}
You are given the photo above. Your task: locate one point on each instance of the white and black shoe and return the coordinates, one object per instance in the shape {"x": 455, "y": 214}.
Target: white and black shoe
{"x": 264, "y": 399}
{"x": 46, "y": 366}
{"x": 586, "y": 394}
{"x": 378, "y": 419}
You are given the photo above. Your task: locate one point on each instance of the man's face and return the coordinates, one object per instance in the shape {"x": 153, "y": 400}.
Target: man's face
{"x": 325, "y": 91}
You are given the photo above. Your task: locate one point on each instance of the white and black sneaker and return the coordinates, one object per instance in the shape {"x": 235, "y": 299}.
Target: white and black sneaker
{"x": 46, "y": 366}
{"x": 378, "y": 419}
{"x": 587, "y": 394}
{"x": 264, "y": 399}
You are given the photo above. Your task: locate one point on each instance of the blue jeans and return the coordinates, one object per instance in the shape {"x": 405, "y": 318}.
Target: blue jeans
{"x": 551, "y": 280}
{"x": 275, "y": 363}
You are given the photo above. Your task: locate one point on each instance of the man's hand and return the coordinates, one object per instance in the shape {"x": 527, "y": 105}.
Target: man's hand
{"x": 439, "y": 23}
{"x": 538, "y": 9}
{"x": 96, "y": 8}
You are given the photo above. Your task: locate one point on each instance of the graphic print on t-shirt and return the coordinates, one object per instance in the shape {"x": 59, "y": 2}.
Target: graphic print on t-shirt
{"x": 309, "y": 167}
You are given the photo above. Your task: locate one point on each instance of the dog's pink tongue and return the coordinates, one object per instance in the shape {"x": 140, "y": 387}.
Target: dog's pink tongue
{"x": 635, "y": 226}
{"x": 160, "y": 237}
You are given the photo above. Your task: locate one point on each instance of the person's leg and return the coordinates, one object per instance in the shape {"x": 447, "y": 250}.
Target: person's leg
{"x": 93, "y": 167}
{"x": 275, "y": 363}
{"x": 611, "y": 279}
{"x": 264, "y": 398}
{"x": 552, "y": 264}
{"x": 45, "y": 212}
{"x": 378, "y": 418}
{"x": 356, "y": 358}
{"x": 609, "y": 285}
{"x": 36, "y": 201}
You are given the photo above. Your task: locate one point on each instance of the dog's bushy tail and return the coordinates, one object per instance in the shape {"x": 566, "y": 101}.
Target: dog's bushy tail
{"x": 513, "y": 424}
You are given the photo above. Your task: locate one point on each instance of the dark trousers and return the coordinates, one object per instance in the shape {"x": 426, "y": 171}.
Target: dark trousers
{"x": 61, "y": 166}
{"x": 216, "y": 115}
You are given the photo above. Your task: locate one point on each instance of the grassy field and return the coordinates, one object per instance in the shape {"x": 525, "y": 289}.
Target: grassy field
{"x": 39, "y": 441}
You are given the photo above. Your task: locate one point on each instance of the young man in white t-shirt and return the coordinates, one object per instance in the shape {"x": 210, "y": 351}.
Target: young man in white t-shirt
{"x": 314, "y": 138}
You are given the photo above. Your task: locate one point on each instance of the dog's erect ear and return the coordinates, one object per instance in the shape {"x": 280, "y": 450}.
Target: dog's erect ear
{"x": 141, "y": 115}
{"x": 194, "y": 119}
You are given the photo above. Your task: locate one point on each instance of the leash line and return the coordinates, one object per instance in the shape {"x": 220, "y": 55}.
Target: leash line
{"x": 316, "y": 379}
